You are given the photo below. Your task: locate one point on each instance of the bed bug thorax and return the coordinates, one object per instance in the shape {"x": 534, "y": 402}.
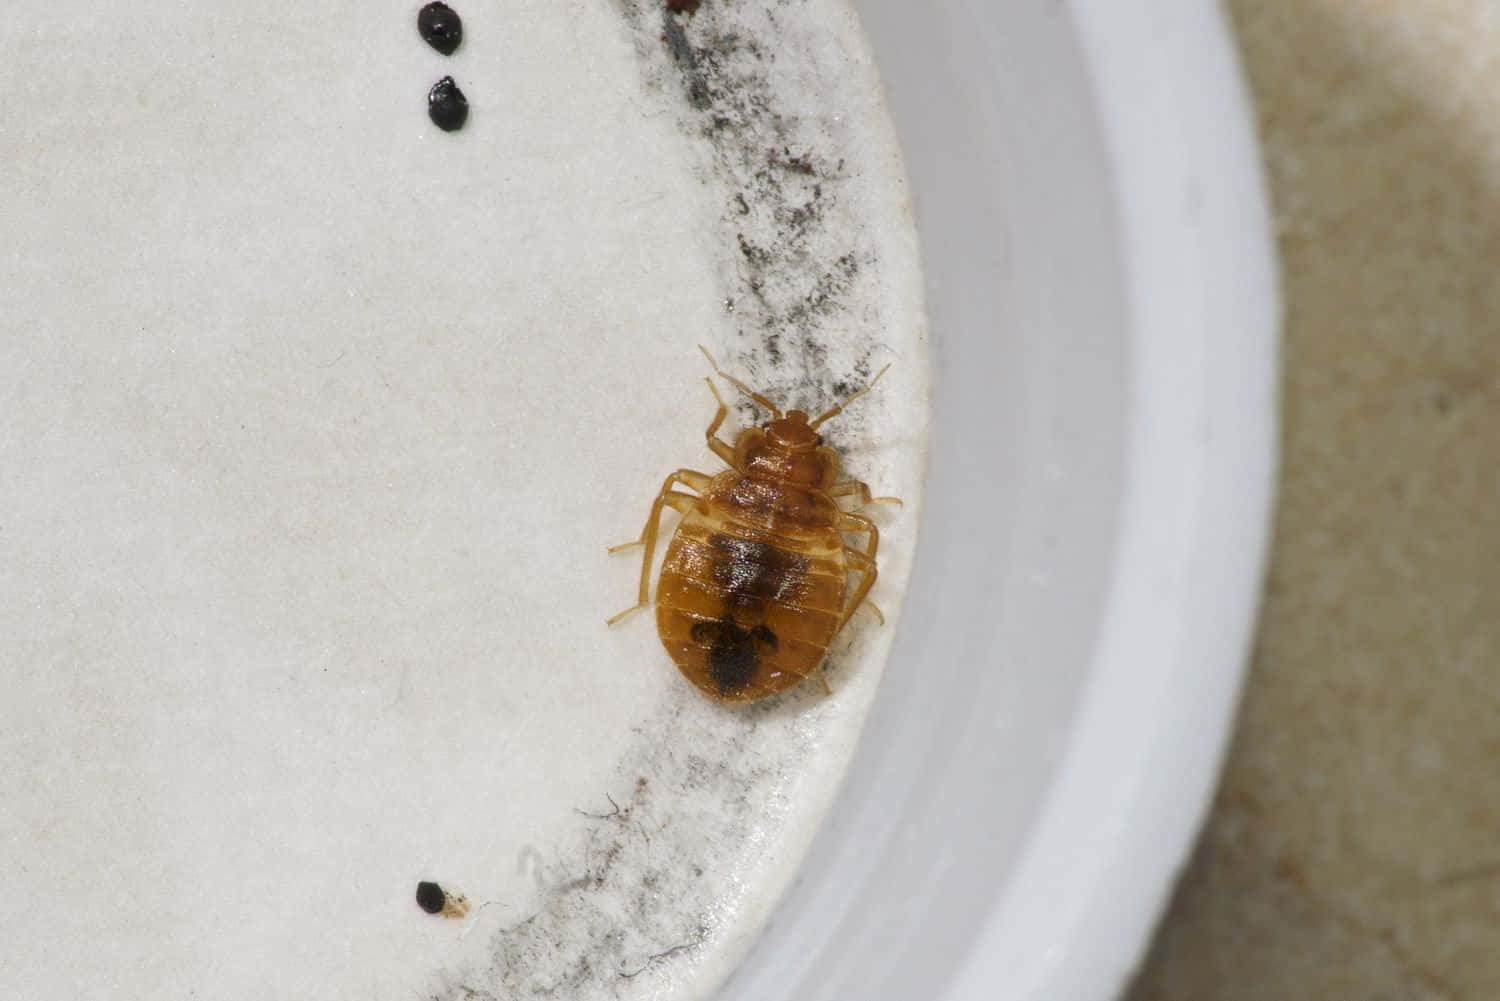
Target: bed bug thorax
{"x": 755, "y": 583}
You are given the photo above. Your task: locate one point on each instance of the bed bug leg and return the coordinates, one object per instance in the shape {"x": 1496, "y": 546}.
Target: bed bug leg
{"x": 717, "y": 445}
{"x": 666, "y": 497}
{"x": 855, "y": 488}
{"x": 867, "y": 577}
{"x": 862, "y": 562}
{"x": 619, "y": 616}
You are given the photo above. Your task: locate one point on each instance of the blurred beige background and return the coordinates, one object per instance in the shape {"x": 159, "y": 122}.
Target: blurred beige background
{"x": 1354, "y": 849}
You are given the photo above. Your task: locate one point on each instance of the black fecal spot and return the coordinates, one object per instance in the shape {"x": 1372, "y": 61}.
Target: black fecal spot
{"x": 447, "y": 106}
{"x": 440, "y": 27}
{"x": 733, "y": 653}
{"x": 431, "y": 898}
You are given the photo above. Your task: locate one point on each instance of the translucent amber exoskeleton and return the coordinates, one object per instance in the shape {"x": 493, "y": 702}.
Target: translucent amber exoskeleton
{"x": 756, "y": 582}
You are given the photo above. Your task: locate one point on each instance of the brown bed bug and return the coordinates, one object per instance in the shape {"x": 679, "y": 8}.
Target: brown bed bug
{"x": 755, "y": 584}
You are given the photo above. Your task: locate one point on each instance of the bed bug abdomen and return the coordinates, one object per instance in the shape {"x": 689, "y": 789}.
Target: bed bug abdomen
{"x": 742, "y": 616}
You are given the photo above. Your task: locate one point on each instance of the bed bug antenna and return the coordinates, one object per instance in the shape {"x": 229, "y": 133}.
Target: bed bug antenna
{"x": 737, "y": 384}
{"x": 840, "y": 408}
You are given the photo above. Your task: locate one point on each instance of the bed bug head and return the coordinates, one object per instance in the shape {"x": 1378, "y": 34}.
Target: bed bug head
{"x": 788, "y": 446}
{"x": 792, "y": 432}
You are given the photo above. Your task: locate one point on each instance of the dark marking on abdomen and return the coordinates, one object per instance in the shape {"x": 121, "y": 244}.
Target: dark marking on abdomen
{"x": 754, "y": 572}
{"x": 733, "y": 653}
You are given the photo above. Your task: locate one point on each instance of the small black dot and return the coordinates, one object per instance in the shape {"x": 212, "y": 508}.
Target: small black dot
{"x": 430, "y": 897}
{"x": 440, "y": 27}
{"x": 447, "y": 106}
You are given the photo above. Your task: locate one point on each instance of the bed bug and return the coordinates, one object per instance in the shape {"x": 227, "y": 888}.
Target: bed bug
{"x": 755, "y": 583}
